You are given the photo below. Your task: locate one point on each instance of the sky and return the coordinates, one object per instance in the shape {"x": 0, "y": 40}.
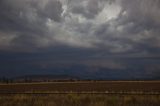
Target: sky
{"x": 95, "y": 39}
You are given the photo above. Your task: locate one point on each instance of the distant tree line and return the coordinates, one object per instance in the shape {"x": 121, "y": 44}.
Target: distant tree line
{"x": 30, "y": 80}
{"x": 6, "y": 80}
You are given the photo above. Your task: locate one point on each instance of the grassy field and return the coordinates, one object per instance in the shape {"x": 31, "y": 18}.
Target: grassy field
{"x": 79, "y": 100}
{"x": 101, "y": 93}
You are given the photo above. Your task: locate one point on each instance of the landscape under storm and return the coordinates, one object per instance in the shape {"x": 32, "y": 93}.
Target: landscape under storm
{"x": 80, "y": 52}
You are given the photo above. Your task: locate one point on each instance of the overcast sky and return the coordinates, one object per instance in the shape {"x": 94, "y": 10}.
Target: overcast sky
{"x": 110, "y": 39}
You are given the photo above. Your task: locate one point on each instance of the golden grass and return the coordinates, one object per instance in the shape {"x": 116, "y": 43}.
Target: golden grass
{"x": 79, "y": 100}
{"x": 103, "y": 93}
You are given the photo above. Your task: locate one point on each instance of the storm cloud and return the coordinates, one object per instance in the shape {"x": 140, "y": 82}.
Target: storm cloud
{"x": 90, "y": 30}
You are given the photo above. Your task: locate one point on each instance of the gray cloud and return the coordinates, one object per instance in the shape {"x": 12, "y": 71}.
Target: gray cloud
{"x": 115, "y": 27}
{"x": 26, "y": 22}
{"x": 141, "y": 20}
{"x": 98, "y": 38}
{"x": 88, "y": 9}
{"x": 52, "y": 9}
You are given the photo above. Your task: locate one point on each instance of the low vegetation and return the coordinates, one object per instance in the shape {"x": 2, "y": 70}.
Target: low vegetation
{"x": 105, "y": 93}
{"x": 79, "y": 100}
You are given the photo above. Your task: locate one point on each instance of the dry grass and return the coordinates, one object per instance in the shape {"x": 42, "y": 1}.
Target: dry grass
{"x": 79, "y": 100}
{"x": 34, "y": 94}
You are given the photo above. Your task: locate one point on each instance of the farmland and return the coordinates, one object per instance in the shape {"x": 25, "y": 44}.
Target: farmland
{"x": 81, "y": 93}
{"x": 83, "y": 86}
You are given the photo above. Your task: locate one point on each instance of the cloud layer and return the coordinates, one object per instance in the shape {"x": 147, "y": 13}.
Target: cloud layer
{"x": 117, "y": 26}
{"x": 82, "y": 28}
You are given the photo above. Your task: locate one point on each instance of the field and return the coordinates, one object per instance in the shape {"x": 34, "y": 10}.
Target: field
{"x": 99, "y": 86}
{"x": 91, "y": 93}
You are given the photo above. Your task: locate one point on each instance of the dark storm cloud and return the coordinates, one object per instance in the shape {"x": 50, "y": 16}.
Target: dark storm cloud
{"x": 144, "y": 19}
{"x": 24, "y": 22}
{"x": 137, "y": 26}
{"x": 52, "y": 10}
{"x": 88, "y": 34}
{"x": 89, "y": 9}
{"x": 49, "y": 23}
